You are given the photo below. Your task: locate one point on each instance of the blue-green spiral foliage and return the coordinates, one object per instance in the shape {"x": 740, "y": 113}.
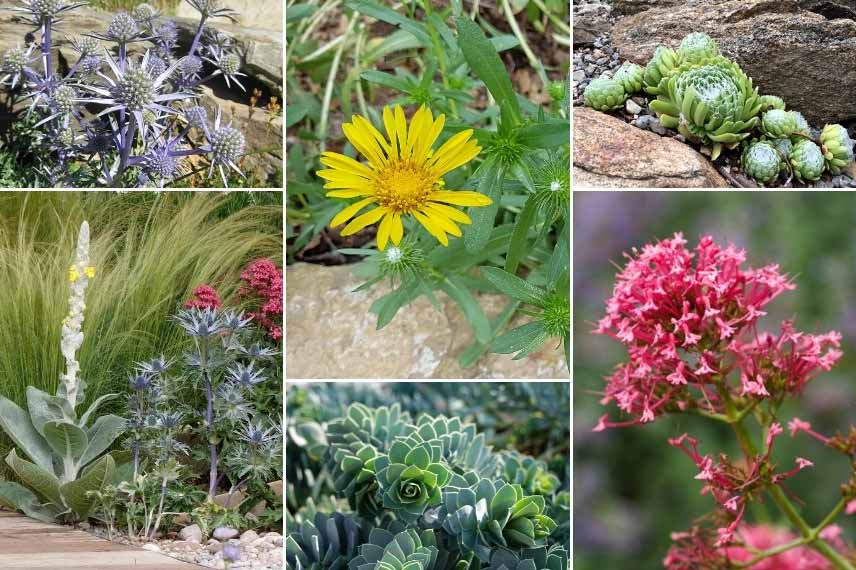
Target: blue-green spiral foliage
{"x": 372, "y": 486}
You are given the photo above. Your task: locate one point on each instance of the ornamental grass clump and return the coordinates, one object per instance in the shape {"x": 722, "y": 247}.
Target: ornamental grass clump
{"x": 123, "y": 116}
{"x": 710, "y": 101}
{"x": 691, "y": 323}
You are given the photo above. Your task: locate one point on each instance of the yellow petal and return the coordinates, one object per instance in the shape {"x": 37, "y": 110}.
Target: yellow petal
{"x": 389, "y": 125}
{"x": 340, "y": 176}
{"x": 460, "y": 198}
{"x": 397, "y": 230}
{"x": 348, "y": 193}
{"x": 443, "y": 222}
{"x": 432, "y": 228}
{"x": 346, "y": 164}
{"x": 383, "y": 231}
{"x": 401, "y": 128}
{"x": 419, "y": 125}
{"x": 364, "y": 143}
{"x": 364, "y": 220}
{"x": 450, "y": 212}
{"x": 455, "y": 156}
{"x": 350, "y": 212}
{"x": 424, "y": 144}
{"x": 369, "y": 129}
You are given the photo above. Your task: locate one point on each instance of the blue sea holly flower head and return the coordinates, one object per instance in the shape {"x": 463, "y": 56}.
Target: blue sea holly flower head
{"x": 201, "y": 323}
{"x": 135, "y": 89}
{"x": 235, "y": 321}
{"x": 212, "y": 9}
{"x": 123, "y": 29}
{"x": 225, "y": 145}
{"x": 14, "y": 64}
{"x": 157, "y": 365}
{"x": 40, "y": 10}
{"x": 228, "y": 64}
{"x": 140, "y": 381}
{"x": 245, "y": 375}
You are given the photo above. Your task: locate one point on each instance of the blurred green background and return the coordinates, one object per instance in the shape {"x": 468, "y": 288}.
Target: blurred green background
{"x": 631, "y": 488}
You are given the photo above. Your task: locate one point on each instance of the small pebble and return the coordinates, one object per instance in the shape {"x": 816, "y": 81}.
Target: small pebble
{"x": 632, "y": 107}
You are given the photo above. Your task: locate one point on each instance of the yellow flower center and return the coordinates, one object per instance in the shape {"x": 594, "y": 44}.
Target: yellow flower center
{"x": 403, "y": 186}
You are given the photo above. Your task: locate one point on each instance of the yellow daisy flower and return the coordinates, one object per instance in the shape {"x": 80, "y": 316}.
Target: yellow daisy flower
{"x": 404, "y": 176}
{"x": 73, "y": 275}
{"x": 90, "y": 272}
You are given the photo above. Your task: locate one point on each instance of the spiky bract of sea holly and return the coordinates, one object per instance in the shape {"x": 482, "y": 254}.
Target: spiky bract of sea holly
{"x": 714, "y": 104}
{"x": 807, "y": 160}
{"x": 761, "y": 161}
{"x": 487, "y": 515}
{"x": 605, "y": 94}
{"x": 837, "y": 147}
{"x": 771, "y": 102}
{"x": 664, "y": 61}
{"x": 411, "y": 476}
{"x": 778, "y": 124}
{"x": 697, "y": 48}
{"x": 631, "y": 77}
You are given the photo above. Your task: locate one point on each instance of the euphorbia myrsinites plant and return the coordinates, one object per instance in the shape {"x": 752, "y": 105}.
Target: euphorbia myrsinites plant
{"x": 122, "y": 116}
{"x": 690, "y": 322}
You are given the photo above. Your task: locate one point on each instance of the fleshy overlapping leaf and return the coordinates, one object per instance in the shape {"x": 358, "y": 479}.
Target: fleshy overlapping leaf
{"x": 406, "y": 550}
{"x": 411, "y": 476}
{"x": 329, "y": 542}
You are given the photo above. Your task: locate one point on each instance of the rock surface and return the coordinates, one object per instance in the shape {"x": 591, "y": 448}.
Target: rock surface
{"x": 799, "y": 55}
{"x": 331, "y": 334}
{"x": 630, "y": 7}
{"x": 591, "y": 20}
{"x": 263, "y": 14}
{"x": 611, "y": 153}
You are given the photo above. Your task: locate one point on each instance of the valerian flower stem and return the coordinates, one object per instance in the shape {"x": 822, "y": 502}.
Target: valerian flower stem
{"x": 811, "y": 536}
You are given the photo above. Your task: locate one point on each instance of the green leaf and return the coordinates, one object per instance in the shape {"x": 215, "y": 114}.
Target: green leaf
{"x": 517, "y": 247}
{"x": 505, "y": 42}
{"x": 483, "y": 59}
{"x": 458, "y": 291}
{"x": 549, "y": 135}
{"x": 525, "y": 339}
{"x": 298, "y": 12}
{"x": 514, "y": 286}
{"x": 17, "y": 425}
{"x": 15, "y": 496}
{"x": 560, "y": 259}
{"x": 387, "y": 306}
{"x": 92, "y": 479}
{"x": 44, "y": 408}
{"x": 477, "y": 234}
{"x": 502, "y": 502}
{"x": 390, "y": 16}
{"x": 387, "y": 80}
{"x": 397, "y": 41}
{"x": 66, "y": 439}
{"x": 398, "y": 452}
{"x": 40, "y": 480}
{"x": 101, "y": 435}
{"x": 418, "y": 457}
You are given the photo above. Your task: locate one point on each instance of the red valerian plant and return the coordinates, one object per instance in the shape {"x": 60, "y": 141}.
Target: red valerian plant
{"x": 204, "y": 297}
{"x": 688, "y": 319}
{"x": 263, "y": 280}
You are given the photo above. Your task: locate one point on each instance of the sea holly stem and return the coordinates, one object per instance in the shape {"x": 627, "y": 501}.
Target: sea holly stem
{"x": 47, "y": 24}
{"x": 209, "y": 416}
{"x": 198, "y": 35}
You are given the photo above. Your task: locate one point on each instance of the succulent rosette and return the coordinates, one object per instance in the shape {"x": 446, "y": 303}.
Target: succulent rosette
{"x": 605, "y": 94}
{"x": 406, "y": 550}
{"x": 630, "y": 76}
{"x": 488, "y": 514}
{"x": 715, "y": 103}
{"x": 697, "y": 48}
{"x": 327, "y": 541}
{"x": 837, "y": 147}
{"x": 664, "y": 61}
{"x": 807, "y": 161}
{"x": 778, "y": 123}
{"x": 762, "y": 161}
{"x": 531, "y": 474}
{"x": 803, "y": 128}
{"x": 541, "y": 558}
{"x": 410, "y": 477}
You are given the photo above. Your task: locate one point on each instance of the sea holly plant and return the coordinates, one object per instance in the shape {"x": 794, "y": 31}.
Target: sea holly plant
{"x": 690, "y": 320}
{"x": 711, "y": 101}
{"x": 426, "y": 494}
{"x": 60, "y": 455}
{"x": 127, "y": 111}
{"x": 432, "y": 187}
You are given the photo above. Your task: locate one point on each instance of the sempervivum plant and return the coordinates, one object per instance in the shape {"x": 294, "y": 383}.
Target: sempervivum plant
{"x": 660, "y": 67}
{"x": 697, "y": 48}
{"x": 762, "y": 161}
{"x": 630, "y": 76}
{"x": 837, "y": 147}
{"x": 114, "y": 119}
{"x": 715, "y": 103}
{"x": 807, "y": 160}
{"x": 778, "y": 123}
{"x": 605, "y": 94}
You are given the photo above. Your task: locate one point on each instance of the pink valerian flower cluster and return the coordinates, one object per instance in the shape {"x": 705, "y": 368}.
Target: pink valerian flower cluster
{"x": 263, "y": 280}
{"x": 732, "y": 485}
{"x": 687, "y": 319}
{"x": 693, "y": 551}
{"x": 204, "y": 297}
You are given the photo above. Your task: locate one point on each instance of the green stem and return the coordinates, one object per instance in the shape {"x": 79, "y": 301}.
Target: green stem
{"x": 331, "y": 81}
{"x": 552, "y": 17}
{"x": 524, "y": 45}
{"x": 772, "y": 552}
